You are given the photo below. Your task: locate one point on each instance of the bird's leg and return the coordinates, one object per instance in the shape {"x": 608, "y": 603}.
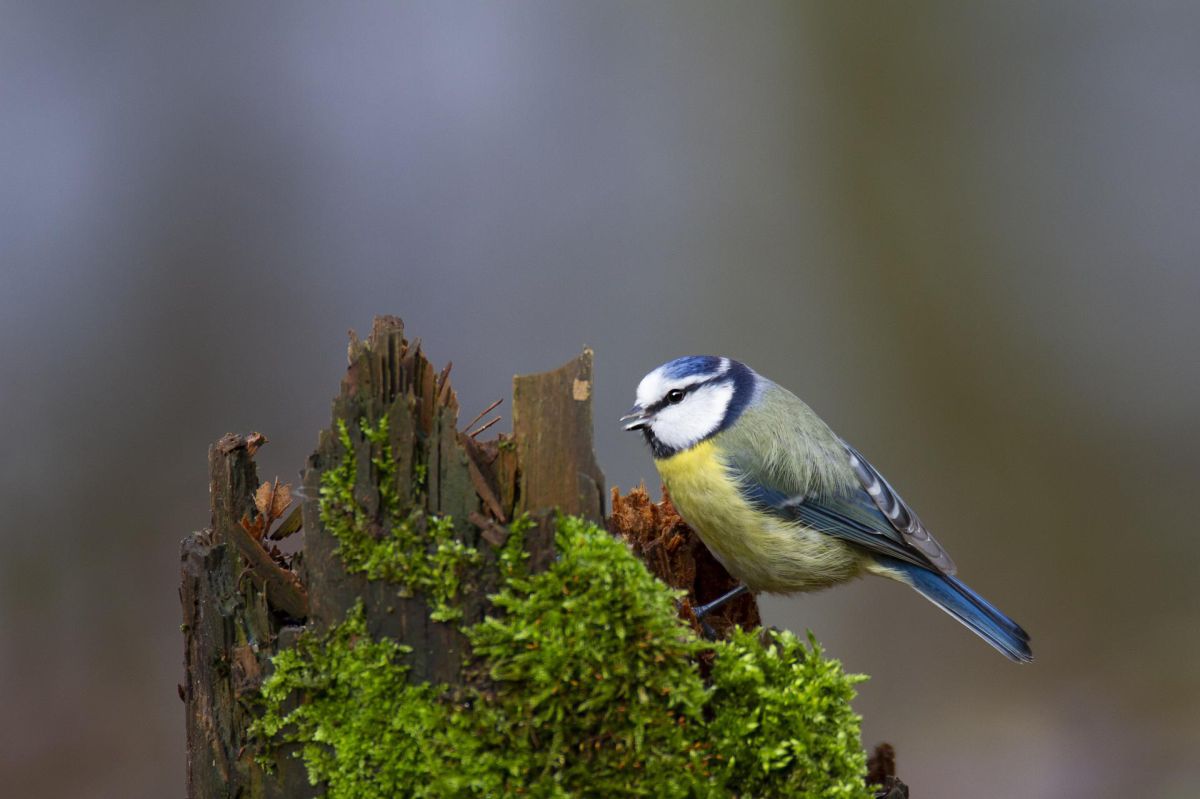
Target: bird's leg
{"x": 709, "y": 607}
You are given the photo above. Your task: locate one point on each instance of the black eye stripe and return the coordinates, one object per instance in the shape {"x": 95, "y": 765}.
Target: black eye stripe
{"x": 688, "y": 389}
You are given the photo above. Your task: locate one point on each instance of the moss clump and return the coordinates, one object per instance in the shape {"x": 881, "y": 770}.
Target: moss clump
{"x": 782, "y": 714}
{"x": 419, "y": 553}
{"x": 596, "y": 692}
{"x": 364, "y": 729}
{"x": 595, "y": 676}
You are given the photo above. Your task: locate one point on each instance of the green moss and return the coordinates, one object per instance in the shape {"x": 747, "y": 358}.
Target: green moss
{"x": 596, "y": 692}
{"x": 417, "y": 552}
{"x": 595, "y": 676}
{"x": 512, "y": 555}
{"x": 782, "y": 712}
{"x": 358, "y": 727}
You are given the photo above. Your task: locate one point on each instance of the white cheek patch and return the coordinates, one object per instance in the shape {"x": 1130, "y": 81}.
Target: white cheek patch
{"x": 700, "y": 414}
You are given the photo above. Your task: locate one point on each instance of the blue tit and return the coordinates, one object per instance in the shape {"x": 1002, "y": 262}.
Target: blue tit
{"x": 783, "y": 502}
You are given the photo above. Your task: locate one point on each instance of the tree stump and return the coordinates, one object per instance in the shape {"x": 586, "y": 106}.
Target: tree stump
{"x": 244, "y": 601}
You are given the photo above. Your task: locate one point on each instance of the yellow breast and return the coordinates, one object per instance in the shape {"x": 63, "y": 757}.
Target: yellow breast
{"x": 764, "y": 552}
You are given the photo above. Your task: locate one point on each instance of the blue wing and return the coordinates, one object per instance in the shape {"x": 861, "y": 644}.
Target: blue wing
{"x": 871, "y": 514}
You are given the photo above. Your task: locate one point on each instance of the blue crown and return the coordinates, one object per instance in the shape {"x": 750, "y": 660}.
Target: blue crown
{"x": 690, "y": 365}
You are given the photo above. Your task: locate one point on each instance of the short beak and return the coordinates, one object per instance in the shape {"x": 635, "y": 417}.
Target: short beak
{"x": 636, "y": 419}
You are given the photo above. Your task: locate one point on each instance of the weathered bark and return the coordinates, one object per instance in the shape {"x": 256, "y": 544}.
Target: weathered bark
{"x": 230, "y": 632}
{"x": 389, "y": 378}
{"x": 552, "y": 423}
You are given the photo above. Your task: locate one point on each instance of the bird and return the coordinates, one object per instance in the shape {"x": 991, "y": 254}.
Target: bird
{"x": 783, "y": 502}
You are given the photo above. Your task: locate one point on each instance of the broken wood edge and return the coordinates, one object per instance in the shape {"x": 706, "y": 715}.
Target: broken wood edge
{"x": 282, "y": 586}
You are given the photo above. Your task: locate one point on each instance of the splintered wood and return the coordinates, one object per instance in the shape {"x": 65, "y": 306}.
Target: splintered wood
{"x": 243, "y": 601}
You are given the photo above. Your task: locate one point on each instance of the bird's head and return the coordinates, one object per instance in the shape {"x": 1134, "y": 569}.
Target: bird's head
{"x": 689, "y": 399}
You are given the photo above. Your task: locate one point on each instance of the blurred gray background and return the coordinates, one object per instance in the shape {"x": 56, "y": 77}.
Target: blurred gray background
{"x": 967, "y": 234}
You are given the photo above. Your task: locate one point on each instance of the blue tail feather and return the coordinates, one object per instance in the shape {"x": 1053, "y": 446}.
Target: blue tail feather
{"x": 976, "y": 613}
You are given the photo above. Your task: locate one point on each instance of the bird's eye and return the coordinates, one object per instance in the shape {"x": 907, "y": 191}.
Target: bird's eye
{"x": 675, "y": 396}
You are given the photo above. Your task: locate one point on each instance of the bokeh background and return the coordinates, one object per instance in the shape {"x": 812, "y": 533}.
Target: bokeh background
{"x": 967, "y": 234}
